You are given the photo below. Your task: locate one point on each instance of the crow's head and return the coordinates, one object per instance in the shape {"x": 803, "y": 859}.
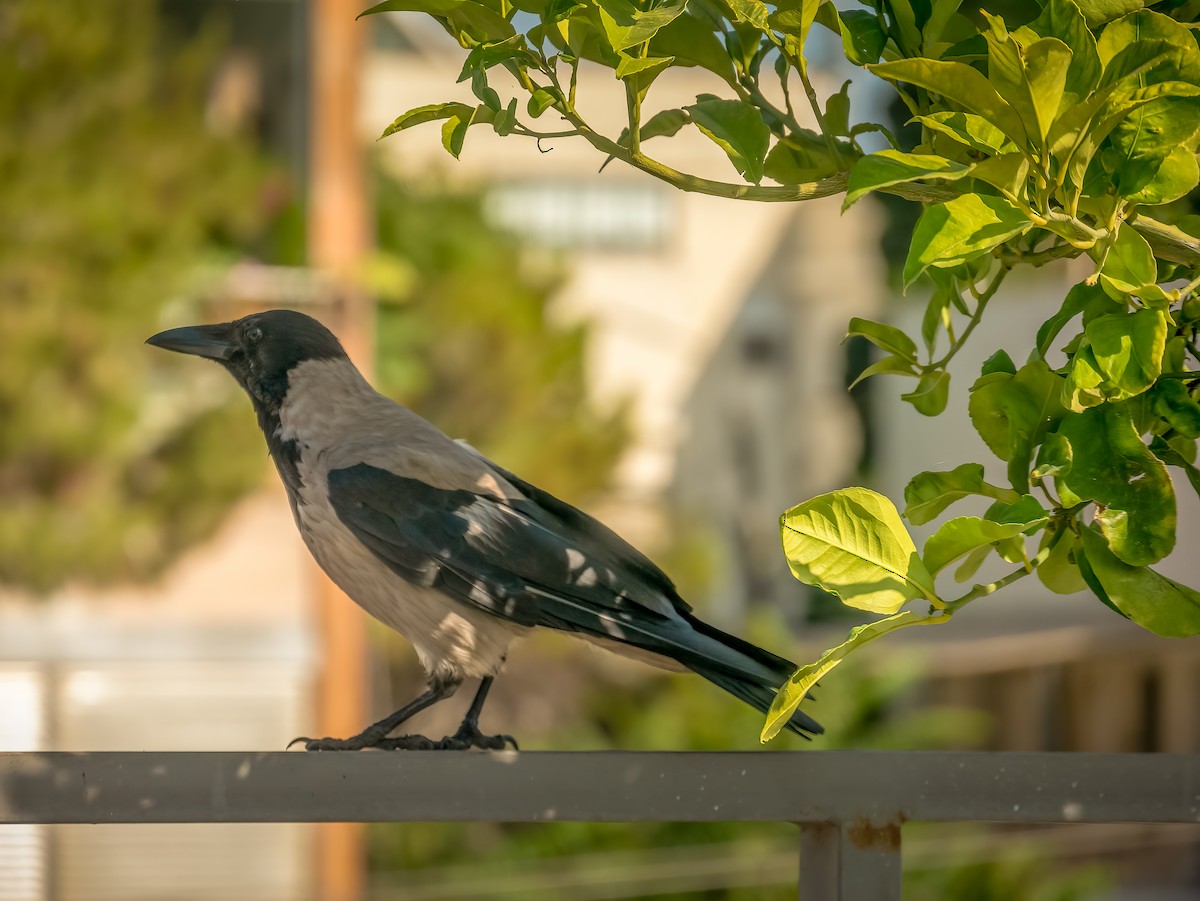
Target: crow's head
{"x": 258, "y": 350}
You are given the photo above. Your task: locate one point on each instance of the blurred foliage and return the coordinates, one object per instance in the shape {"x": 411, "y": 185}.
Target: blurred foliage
{"x": 117, "y": 198}
{"x": 865, "y": 708}
{"x": 468, "y": 344}
{"x": 113, "y": 191}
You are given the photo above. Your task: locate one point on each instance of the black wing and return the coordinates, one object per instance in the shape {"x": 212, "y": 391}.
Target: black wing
{"x": 517, "y": 560}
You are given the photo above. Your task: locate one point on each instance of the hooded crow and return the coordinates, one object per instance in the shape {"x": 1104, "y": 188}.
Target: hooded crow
{"x": 458, "y": 555}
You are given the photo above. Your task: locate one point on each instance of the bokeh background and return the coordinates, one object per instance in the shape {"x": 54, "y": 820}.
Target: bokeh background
{"x": 671, "y": 363}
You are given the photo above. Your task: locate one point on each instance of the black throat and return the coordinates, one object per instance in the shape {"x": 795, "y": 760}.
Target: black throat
{"x": 284, "y": 453}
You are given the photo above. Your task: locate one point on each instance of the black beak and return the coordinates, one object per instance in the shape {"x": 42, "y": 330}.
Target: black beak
{"x": 212, "y": 341}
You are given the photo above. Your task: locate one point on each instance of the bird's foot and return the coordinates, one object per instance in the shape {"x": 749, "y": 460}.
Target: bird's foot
{"x": 468, "y": 736}
{"x": 362, "y": 742}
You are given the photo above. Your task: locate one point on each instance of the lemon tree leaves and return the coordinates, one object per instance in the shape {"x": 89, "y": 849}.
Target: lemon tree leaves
{"x": 852, "y": 544}
{"x": 797, "y": 687}
{"x": 1151, "y": 600}
{"x": 1038, "y": 140}
{"x": 1114, "y": 468}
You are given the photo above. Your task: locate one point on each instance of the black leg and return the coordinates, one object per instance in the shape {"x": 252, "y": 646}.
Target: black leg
{"x": 468, "y": 734}
{"x": 376, "y": 735}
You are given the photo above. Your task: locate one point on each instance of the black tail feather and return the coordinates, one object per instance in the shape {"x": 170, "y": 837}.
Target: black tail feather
{"x": 756, "y": 681}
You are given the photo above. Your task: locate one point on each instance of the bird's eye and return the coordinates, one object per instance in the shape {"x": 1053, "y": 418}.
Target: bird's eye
{"x": 253, "y": 334}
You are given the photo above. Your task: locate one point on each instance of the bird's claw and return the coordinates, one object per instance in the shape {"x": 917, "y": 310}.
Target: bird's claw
{"x": 464, "y": 739}
{"x": 468, "y": 737}
{"x": 357, "y": 743}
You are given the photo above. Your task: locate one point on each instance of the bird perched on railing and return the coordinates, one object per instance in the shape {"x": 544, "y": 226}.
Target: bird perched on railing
{"x": 458, "y": 555}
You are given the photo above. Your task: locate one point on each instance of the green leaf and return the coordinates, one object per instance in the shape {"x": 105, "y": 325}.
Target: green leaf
{"x": 540, "y": 101}
{"x": 1113, "y": 467}
{"x": 1145, "y": 138}
{"x": 960, "y": 84}
{"x": 1082, "y": 297}
{"x": 1054, "y": 457}
{"x": 891, "y": 167}
{"x": 971, "y": 564}
{"x": 1128, "y": 350}
{"x": 664, "y": 124}
{"x": 639, "y": 73}
{"x": 1129, "y": 264}
{"x": 1000, "y": 361}
{"x": 929, "y": 493}
{"x": 1153, "y": 601}
{"x": 959, "y": 230}
{"x": 423, "y": 114}
{"x": 1006, "y": 171}
{"x": 1171, "y": 456}
{"x": 1146, "y": 25}
{"x": 1026, "y": 512}
{"x": 1097, "y": 12}
{"x": 1083, "y": 381}
{"x": 1046, "y": 65}
{"x": 1030, "y": 80}
{"x": 738, "y": 129}
{"x": 796, "y": 689}
{"x": 1175, "y": 177}
{"x": 884, "y": 336}
{"x": 1059, "y": 572}
{"x": 454, "y": 129}
{"x": 752, "y": 12}
{"x": 889, "y": 365}
{"x": 930, "y": 396}
{"x": 852, "y": 544}
{"x": 694, "y": 43}
{"x": 1062, "y": 19}
{"x": 1171, "y": 401}
{"x": 625, "y": 25}
{"x": 837, "y": 111}
{"x": 432, "y": 7}
{"x": 962, "y": 535}
{"x": 968, "y": 129}
{"x": 1013, "y": 413}
{"x": 863, "y": 38}
{"x": 800, "y": 158}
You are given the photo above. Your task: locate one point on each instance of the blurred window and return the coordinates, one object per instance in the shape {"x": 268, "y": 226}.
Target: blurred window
{"x": 578, "y": 215}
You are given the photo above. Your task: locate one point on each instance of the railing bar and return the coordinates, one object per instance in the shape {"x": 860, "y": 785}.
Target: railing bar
{"x": 819, "y": 845}
{"x": 869, "y": 862}
{"x": 796, "y": 787}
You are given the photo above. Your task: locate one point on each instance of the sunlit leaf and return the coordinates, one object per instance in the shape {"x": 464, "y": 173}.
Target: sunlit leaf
{"x": 1128, "y": 349}
{"x": 1059, "y": 572}
{"x": 891, "y": 167}
{"x": 852, "y": 544}
{"x": 738, "y": 129}
{"x": 1013, "y": 413}
{"x": 929, "y": 493}
{"x": 961, "y": 84}
{"x": 627, "y": 26}
{"x": 422, "y": 114}
{"x": 961, "y": 229}
{"x": 968, "y": 129}
{"x": 1129, "y": 264}
{"x": 930, "y": 396}
{"x": 796, "y": 689}
{"x": 962, "y": 535}
{"x": 884, "y": 336}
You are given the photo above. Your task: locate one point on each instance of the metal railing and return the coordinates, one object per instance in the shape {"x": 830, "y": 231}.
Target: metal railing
{"x": 850, "y": 805}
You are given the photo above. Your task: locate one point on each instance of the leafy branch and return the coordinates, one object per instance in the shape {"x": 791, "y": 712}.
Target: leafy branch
{"x": 1073, "y": 134}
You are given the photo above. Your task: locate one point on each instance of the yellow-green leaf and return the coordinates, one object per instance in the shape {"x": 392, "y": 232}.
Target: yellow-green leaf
{"x": 797, "y": 687}
{"x": 852, "y": 544}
